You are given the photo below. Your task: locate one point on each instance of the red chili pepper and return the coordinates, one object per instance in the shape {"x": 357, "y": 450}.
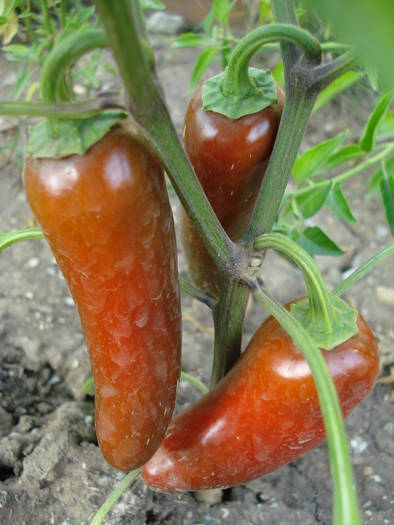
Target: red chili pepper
{"x": 262, "y": 415}
{"x": 229, "y": 158}
{"x": 107, "y": 218}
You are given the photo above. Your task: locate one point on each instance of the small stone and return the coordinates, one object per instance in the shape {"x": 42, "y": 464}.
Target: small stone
{"x": 211, "y": 496}
{"x": 29, "y": 295}
{"x": 385, "y": 295}
{"x": 368, "y": 471}
{"x": 165, "y": 23}
{"x": 381, "y": 231}
{"x": 33, "y": 262}
{"x": 69, "y": 301}
{"x": 358, "y": 444}
{"x": 5, "y": 422}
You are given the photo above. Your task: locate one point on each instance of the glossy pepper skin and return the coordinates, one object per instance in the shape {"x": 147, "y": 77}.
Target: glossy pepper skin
{"x": 229, "y": 158}
{"x": 262, "y": 415}
{"x": 107, "y": 218}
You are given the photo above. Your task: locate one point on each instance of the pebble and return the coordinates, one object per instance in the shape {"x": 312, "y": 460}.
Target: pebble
{"x": 33, "y": 262}
{"x": 358, "y": 444}
{"x": 165, "y": 23}
{"x": 69, "y": 301}
{"x": 385, "y": 295}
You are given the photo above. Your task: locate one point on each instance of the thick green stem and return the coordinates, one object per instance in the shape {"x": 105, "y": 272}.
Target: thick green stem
{"x": 63, "y": 56}
{"x": 326, "y": 73}
{"x": 59, "y": 110}
{"x": 204, "y": 297}
{"x": 121, "y": 22}
{"x": 228, "y": 317}
{"x": 346, "y": 509}
{"x": 236, "y": 79}
{"x": 297, "y": 110}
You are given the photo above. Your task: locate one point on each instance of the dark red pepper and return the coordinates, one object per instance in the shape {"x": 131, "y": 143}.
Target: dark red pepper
{"x": 108, "y": 221}
{"x": 229, "y": 158}
{"x": 262, "y": 415}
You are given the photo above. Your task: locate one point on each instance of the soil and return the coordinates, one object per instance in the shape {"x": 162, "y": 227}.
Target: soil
{"x": 51, "y": 470}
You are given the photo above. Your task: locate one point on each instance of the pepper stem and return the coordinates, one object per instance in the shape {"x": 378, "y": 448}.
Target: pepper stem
{"x": 328, "y": 319}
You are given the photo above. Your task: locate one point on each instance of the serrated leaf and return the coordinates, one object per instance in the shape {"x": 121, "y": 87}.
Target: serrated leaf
{"x": 337, "y": 86}
{"x": 203, "y": 62}
{"x": 309, "y": 162}
{"x": 367, "y": 141}
{"x": 312, "y": 199}
{"x": 188, "y": 40}
{"x": 9, "y": 238}
{"x": 316, "y": 242}
{"x": 338, "y": 204}
{"x": 346, "y": 154}
{"x": 386, "y": 187}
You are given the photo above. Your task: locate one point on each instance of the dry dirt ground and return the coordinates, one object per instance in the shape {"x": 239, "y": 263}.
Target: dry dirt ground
{"x": 51, "y": 470}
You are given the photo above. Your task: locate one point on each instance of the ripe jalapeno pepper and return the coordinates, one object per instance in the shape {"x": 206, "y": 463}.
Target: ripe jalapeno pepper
{"x": 229, "y": 158}
{"x": 108, "y": 221}
{"x": 262, "y": 415}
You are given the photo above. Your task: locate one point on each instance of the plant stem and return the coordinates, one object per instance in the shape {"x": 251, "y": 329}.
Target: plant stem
{"x": 121, "y": 20}
{"x": 9, "y": 238}
{"x": 297, "y": 110}
{"x": 60, "y": 110}
{"x": 194, "y": 381}
{"x": 362, "y": 270}
{"x": 228, "y": 316}
{"x": 118, "y": 491}
{"x": 46, "y": 16}
{"x": 346, "y": 510}
{"x": 236, "y": 79}
{"x": 204, "y": 297}
{"x": 62, "y": 56}
{"x": 326, "y": 73}
{"x": 339, "y": 179}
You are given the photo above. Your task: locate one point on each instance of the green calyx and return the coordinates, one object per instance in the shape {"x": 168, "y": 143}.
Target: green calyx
{"x": 60, "y": 138}
{"x": 259, "y": 94}
{"x": 57, "y": 137}
{"x": 328, "y": 319}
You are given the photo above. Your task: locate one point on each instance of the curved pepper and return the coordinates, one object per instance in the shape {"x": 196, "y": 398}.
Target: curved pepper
{"x": 262, "y": 415}
{"x": 108, "y": 221}
{"x": 229, "y": 158}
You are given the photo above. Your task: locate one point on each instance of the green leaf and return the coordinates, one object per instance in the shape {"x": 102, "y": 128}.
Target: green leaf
{"x": 367, "y": 141}
{"x": 372, "y": 75}
{"x": 309, "y": 162}
{"x": 152, "y": 4}
{"x": 234, "y": 107}
{"x": 311, "y": 200}
{"x": 386, "y": 128}
{"x": 374, "y": 181}
{"x": 343, "y": 155}
{"x": 203, "y": 62}
{"x": 9, "y": 238}
{"x": 387, "y": 194}
{"x": 188, "y": 40}
{"x": 88, "y": 387}
{"x": 338, "y": 204}
{"x": 316, "y": 242}
{"x": 279, "y": 74}
{"x": 60, "y": 138}
{"x": 222, "y": 9}
{"x": 337, "y": 86}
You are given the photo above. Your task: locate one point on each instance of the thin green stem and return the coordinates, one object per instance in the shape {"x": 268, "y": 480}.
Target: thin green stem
{"x": 339, "y": 179}
{"x": 60, "y": 110}
{"x": 346, "y": 509}
{"x": 30, "y": 32}
{"x": 46, "y": 17}
{"x": 363, "y": 270}
{"x": 63, "y": 13}
{"x": 228, "y": 316}
{"x": 61, "y": 58}
{"x": 194, "y": 381}
{"x": 121, "y": 20}
{"x": 188, "y": 288}
{"x": 118, "y": 491}
{"x": 236, "y": 79}
{"x": 9, "y": 238}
